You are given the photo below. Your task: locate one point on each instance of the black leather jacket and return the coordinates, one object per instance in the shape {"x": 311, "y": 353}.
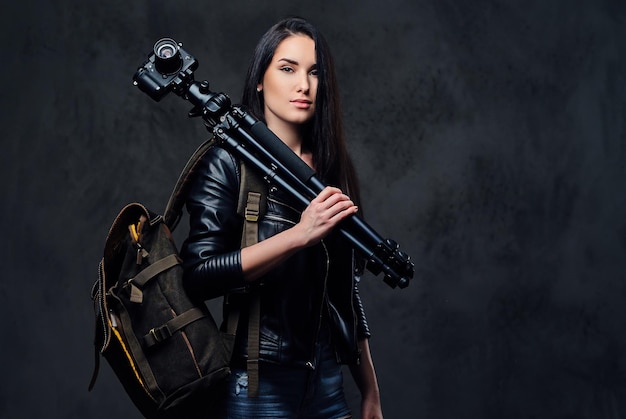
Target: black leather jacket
{"x": 315, "y": 288}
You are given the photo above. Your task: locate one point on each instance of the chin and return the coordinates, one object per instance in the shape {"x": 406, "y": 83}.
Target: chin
{"x": 302, "y": 119}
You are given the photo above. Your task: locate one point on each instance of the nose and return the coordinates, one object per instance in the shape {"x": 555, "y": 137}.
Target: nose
{"x": 303, "y": 83}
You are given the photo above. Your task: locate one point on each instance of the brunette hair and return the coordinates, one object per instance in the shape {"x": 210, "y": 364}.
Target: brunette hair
{"x": 323, "y": 135}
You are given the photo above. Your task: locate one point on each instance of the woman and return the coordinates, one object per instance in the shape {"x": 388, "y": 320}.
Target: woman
{"x": 311, "y": 314}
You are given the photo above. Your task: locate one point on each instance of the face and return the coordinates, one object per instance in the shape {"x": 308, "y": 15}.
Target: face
{"x": 289, "y": 85}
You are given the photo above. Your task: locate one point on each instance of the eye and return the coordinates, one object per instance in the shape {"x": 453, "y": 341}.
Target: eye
{"x": 286, "y": 69}
{"x": 313, "y": 72}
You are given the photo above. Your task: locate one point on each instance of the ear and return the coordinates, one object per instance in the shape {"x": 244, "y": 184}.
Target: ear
{"x": 259, "y": 87}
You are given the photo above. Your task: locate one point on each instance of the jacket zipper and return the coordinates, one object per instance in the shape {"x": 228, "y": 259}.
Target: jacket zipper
{"x": 311, "y": 364}
{"x": 283, "y": 204}
{"x": 280, "y": 219}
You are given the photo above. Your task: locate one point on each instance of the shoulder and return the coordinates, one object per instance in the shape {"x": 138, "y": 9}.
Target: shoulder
{"x": 216, "y": 174}
{"x": 221, "y": 163}
{"x": 219, "y": 155}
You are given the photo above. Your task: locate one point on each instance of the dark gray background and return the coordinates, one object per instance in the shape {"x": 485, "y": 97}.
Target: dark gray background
{"x": 491, "y": 143}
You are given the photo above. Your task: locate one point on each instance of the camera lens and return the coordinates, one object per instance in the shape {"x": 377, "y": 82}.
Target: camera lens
{"x": 167, "y": 59}
{"x": 166, "y": 51}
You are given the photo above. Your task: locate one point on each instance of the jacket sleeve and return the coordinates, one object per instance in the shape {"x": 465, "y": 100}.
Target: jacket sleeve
{"x": 211, "y": 254}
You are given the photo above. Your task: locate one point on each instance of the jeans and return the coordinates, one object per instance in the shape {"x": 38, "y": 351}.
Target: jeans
{"x": 288, "y": 392}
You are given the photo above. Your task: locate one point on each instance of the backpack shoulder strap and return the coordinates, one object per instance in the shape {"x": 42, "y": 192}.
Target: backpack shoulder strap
{"x": 174, "y": 208}
{"x": 251, "y": 206}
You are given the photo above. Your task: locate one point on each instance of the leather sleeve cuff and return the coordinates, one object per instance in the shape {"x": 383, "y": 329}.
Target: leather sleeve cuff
{"x": 216, "y": 276}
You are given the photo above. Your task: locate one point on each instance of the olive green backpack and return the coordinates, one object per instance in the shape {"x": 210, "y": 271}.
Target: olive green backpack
{"x": 165, "y": 347}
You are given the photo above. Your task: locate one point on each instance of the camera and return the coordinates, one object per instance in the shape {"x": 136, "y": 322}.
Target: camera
{"x": 167, "y": 69}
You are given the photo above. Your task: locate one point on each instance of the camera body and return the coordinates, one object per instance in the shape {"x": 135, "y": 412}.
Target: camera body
{"x": 169, "y": 68}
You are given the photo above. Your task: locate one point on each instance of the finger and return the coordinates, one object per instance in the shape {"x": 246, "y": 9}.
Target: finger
{"x": 337, "y": 198}
{"x": 326, "y": 193}
{"x": 341, "y": 210}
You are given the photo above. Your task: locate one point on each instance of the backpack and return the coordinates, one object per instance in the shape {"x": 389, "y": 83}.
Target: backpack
{"x": 164, "y": 347}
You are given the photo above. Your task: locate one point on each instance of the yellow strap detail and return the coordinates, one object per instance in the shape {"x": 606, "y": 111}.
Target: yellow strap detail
{"x": 130, "y": 361}
{"x": 133, "y": 232}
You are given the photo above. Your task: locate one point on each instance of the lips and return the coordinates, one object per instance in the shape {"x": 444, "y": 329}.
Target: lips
{"x": 302, "y": 103}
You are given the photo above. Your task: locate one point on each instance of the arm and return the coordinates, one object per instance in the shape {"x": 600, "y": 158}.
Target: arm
{"x": 317, "y": 220}
{"x": 213, "y": 262}
{"x": 211, "y": 255}
{"x": 365, "y": 378}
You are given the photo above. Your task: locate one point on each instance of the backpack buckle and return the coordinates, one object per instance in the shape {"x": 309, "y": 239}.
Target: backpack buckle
{"x": 252, "y": 215}
{"x": 157, "y": 335}
{"x": 252, "y": 210}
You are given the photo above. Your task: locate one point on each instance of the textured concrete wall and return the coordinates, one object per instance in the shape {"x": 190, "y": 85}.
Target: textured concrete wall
{"x": 491, "y": 143}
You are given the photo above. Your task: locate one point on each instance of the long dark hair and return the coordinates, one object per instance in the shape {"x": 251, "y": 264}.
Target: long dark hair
{"x": 323, "y": 135}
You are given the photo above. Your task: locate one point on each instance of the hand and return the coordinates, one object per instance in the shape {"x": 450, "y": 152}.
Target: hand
{"x": 323, "y": 214}
{"x": 317, "y": 220}
{"x": 371, "y": 408}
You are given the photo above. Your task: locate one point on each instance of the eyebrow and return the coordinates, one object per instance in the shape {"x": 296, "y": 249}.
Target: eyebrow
{"x": 289, "y": 60}
{"x": 294, "y": 62}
